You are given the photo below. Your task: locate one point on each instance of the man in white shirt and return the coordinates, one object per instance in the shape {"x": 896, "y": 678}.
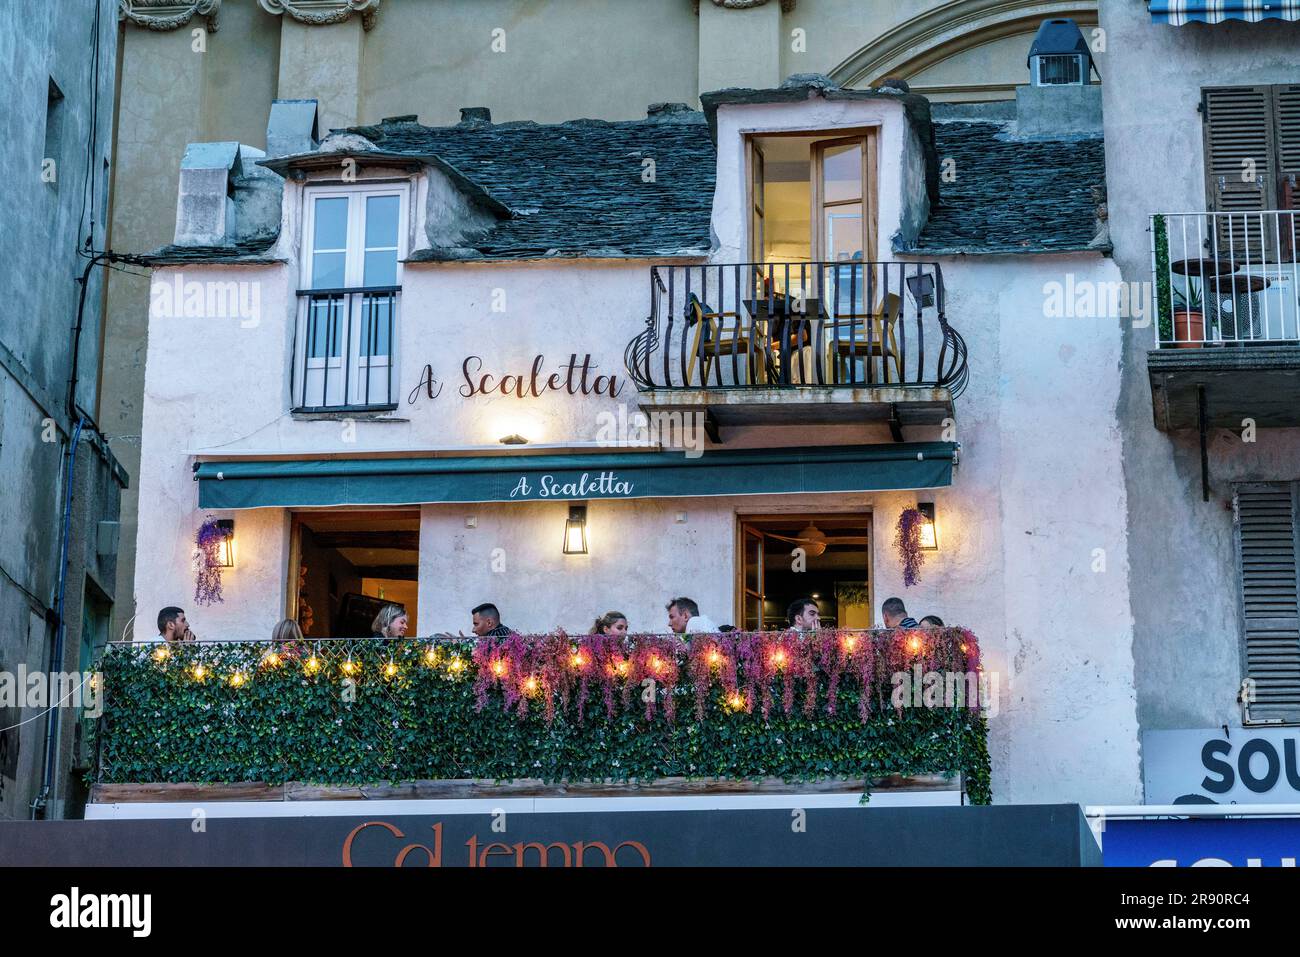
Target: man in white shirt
{"x": 684, "y": 618}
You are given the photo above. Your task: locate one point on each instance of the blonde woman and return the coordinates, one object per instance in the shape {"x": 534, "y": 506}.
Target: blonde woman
{"x": 390, "y": 622}
{"x": 287, "y": 639}
{"x": 612, "y": 623}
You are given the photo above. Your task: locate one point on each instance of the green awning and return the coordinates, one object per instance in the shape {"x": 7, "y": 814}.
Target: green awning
{"x": 605, "y": 475}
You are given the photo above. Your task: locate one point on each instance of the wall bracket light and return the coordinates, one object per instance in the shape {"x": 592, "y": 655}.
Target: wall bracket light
{"x": 929, "y": 531}
{"x": 226, "y": 550}
{"x": 575, "y": 531}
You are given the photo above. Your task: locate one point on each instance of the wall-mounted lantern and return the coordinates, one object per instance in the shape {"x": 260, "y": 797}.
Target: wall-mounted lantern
{"x": 575, "y": 531}
{"x": 226, "y": 549}
{"x": 929, "y": 531}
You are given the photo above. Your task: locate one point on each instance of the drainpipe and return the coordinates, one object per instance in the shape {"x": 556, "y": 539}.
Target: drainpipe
{"x": 56, "y": 655}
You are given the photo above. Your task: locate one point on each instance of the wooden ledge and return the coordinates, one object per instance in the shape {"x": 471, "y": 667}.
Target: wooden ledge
{"x": 160, "y": 793}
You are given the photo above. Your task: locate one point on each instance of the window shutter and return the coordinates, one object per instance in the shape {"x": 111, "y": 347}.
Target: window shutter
{"x": 1239, "y": 130}
{"x": 1265, "y": 516}
{"x": 1287, "y": 114}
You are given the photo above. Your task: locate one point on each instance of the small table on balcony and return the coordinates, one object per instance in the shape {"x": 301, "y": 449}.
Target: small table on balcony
{"x": 789, "y": 330}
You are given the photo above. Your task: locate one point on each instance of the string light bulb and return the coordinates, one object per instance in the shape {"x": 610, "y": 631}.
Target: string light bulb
{"x": 530, "y": 685}
{"x": 199, "y": 672}
{"x": 715, "y": 658}
{"x": 850, "y": 643}
{"x": 577, "y": 661}
{"x": 778, "y": 657}
{"x": 736, "y": 701}
{"x": 272, "y": 659}
{"x": 914, "y": 644}
{"x": 313, "y": 664}
{"x": 431, "y": 656}
{"x": 456, "y": 664}
{"x": 621, "y": 667}
{"x": 498, "y": 667}
{"x": 161, "y": 653}
{"x": 237, "y": 679}
{"x": 348, "y": 666}
{"x": 656, "y": 664}
{"x": 390, "y": 669}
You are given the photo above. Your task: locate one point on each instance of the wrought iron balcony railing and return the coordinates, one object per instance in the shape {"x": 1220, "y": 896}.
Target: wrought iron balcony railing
{"x": 1226, "y": 278}
{"x": 762, "y": 325}
{"x": 344, "y": 350}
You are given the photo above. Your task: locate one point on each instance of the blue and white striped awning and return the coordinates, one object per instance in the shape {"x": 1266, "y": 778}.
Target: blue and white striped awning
{"x": 1178, "y": 12}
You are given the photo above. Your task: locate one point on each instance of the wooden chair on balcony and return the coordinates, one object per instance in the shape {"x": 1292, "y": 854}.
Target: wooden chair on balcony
{"x": 715, "y": 336}
{"x": 867, "y": 336}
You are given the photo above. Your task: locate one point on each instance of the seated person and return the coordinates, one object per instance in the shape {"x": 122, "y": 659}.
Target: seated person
{"x": 391, "y": 622}
{"x": 684, "y": 618}
{"x": 803, "y": 615}
{"x": 487, "y": 622}
{"x": 172, "y": 625}
{"x": 894, "y": 614}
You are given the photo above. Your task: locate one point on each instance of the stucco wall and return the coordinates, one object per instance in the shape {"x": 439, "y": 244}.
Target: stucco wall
{"x": 1031, "y": 499}
{"x": 1187, "y": 646}
{"x": 561, "y": 60}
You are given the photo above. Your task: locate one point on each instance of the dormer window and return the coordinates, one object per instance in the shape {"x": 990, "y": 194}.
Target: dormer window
{"x": 813, "y": 197}
{"x": 354, "y": 238}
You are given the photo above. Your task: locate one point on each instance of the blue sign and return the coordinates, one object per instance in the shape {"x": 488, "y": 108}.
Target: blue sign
{"x": 1202, "y": 842}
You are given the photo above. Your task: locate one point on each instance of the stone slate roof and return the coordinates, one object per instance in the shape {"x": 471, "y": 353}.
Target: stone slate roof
{"x": 250, "y": 252}
{"x": 1015, "y": 196}
{"x": 576, "y": 189}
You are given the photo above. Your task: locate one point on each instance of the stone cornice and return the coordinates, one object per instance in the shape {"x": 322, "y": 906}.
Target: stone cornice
{"x": 786, "y": 5}
{"x": 322, "y": 12}
{"x": 168, "y": 14}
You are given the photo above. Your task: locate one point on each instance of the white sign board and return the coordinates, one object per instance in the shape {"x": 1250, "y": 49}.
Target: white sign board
{"x": 1243, "y": 766}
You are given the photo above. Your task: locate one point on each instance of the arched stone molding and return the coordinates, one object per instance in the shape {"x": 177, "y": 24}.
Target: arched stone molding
{"x": 949, "y": 29}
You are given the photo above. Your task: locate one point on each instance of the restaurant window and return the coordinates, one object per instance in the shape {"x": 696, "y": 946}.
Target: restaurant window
{"x": 1267, "y": 545}
{"x": 832, "y": 567}
{"x": 345, "y": 565}
{"x": 1252, "y": 163}
{"x": 353, "y": 244}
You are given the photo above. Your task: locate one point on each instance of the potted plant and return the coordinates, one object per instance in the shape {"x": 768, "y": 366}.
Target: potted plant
{"x": 1189, "y": 317}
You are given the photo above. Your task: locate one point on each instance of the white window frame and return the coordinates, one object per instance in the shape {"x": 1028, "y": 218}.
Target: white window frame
{"x": 314, "y": 369}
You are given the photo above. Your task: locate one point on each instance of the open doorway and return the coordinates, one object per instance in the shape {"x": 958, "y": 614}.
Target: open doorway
{"x": 346, "y": 565}
{"x": 826, "y": 557}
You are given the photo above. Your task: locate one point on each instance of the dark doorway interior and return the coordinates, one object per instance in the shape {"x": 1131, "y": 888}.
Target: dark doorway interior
{"x": 351, "y": 564}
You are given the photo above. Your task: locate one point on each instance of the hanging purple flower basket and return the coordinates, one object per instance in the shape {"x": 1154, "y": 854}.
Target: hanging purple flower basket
{"x": 908, "y": 542}
{"x": 207, "y": 574}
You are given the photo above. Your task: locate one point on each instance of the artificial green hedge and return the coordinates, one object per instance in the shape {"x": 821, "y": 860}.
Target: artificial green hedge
{"x": 285, "y": 724}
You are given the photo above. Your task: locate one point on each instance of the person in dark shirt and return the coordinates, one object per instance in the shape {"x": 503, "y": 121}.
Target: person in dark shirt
{"x": 487, "y": 621}
{"x": 803, "y": 615}
{"x": 894, "y": 614}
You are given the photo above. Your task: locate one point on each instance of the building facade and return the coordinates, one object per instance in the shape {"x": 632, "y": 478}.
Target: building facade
{"x": 62, "y": 481}
{"x": 1209, "y": 381}
{"x": 209, "y": 70}
{"x": 572, "y": 366}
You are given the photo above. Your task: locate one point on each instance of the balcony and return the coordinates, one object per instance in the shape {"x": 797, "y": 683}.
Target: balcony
{"x": 799, "y": 343}
{"x": 447, "y": 717}
{"x": 1227, "y": 320}
{"x": 343, "y": 350}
